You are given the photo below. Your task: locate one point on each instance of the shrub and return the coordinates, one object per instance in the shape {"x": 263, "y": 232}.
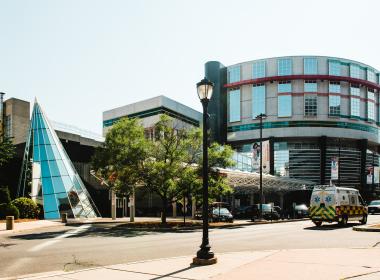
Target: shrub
{"x": 40, "y": 211}
{"x": 8, "y": 210}
{"x": 5, "y": 196}
{"x": 27, "y": 207}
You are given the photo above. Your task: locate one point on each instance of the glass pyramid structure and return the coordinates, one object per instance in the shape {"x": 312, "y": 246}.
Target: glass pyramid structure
{"x": 49, "y": 177}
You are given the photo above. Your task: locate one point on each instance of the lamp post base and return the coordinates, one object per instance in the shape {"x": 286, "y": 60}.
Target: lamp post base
{"x": 198, "y": 261}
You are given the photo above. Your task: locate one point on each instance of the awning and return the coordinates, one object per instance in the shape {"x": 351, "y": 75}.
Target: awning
{"x": 249, "y": 182}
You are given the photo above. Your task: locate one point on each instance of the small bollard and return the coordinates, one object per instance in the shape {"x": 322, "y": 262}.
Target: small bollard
{"x": 64, "y": 218}
{"x": 10, "y": 222}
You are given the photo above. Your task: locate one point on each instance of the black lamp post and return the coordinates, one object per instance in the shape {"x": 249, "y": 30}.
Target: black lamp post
{"x": 205, "y": 256}
{"x": 261, "y": 117}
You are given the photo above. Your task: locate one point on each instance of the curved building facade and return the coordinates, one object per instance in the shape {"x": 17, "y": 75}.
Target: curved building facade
{"x": 321, "y": 112}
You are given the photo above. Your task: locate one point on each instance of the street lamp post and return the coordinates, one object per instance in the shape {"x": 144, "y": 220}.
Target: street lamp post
{"x": 205, "y": 256}
{"x": 261, "y": 117}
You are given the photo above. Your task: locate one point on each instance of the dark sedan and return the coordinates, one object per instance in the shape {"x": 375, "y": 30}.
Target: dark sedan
{"x": 374, "y": 207}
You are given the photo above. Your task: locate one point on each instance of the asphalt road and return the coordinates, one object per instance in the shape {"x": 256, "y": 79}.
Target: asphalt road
{"x": 71, "y": 248}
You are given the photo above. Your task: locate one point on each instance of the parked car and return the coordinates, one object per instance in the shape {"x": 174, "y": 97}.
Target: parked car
{"x": 301, "y": 211}
{"x": 374, "y": 207}
{"x": 222, "y": 215}
{"x": 243, "y": 212}
{"x": 269, "y": 213}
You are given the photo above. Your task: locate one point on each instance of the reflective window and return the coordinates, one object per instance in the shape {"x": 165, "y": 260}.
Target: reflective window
{"x": 355, "y": 107}
{"x": 234, "y": 105}
{"x": 50, "y": 204}
{"x": 371, "y": 105}
{"x": 8, "y": 126}
{"x": 234, "y": 74}
{"x": 334, "y": 87}
{"x": 284, "y": 105}
{"x": 310, "y": 86}
{"x": 355, "y": 100}
{"x": 310, "y": 66}
{"x": 284, "y": 86}
{"x": 258, "y": 69}
{"x": 311, "y": 105}
{"x": 258, "y": 100}
{"x": 371, "y": 76}
{"x": 334, "y": 68}
{"x": 284, "y": 66}
{"x": 334, "y": 105}
{"x": 281, "y": 159}
{"x": 354, "y": 71}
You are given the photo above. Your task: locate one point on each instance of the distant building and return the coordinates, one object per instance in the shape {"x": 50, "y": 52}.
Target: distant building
{"x": 150, "y": 110}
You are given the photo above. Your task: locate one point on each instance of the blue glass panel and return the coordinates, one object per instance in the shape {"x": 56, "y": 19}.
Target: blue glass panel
{"x": 285, "y": 106}
{"x": 50, "y": 203}
{"x": 234, "y": 74}
{"x": 49, "y": 152}
{"x": 45, "y": 170}
{"x": 258, "y": 100}
{"x": 284, "y": 66}
{"x": 52, "y": 215}
{"x": 310, "y": 66}
{"x": 58, "y": 185}
{"x": 334, "y": 68}
{"x": 47, "y": 185}
{"x": 54, "y": 170}
{"x": 234, "y": 105}
{"x": 77, "y": 185}
{"x": 43, "y": 155}
{"x": 41, "y": 138}
{"x": 310, "y": 86}
{"x": 258, "y": 69}
{"x": 49, "y": 136}
{"x": 35, "y": 138}
{"x": 36, "y": 153}
{"x": 62, "y": 168}
{"x": 55, "y": 151}
{"x": 284, "y": 87}
{"x": 67, "y": 182}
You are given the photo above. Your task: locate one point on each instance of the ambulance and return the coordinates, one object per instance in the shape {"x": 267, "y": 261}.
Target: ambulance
{"x": 330, "y": 203}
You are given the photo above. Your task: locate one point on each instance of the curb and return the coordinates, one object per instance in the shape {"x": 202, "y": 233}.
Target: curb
{"x": 365, "y": 228}
{"x": 185, "y": 228}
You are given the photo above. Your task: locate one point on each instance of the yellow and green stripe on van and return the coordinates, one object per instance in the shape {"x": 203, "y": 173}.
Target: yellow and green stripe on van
{"x": 327, "y": 212}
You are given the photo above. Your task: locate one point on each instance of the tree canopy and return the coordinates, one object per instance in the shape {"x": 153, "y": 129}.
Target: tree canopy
{"x": 7, "y": 150}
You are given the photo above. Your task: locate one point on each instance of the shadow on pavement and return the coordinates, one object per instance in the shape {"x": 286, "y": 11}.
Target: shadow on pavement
{"x": 98, "y": 231}
{"x": 173, "y": 273}
{"x": 329, "y": 227}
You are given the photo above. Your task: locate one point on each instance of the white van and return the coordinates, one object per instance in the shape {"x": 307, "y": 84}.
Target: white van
{"x": 336, "y": 204}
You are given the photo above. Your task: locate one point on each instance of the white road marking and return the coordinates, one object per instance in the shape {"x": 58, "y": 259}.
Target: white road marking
{"x": 59, "y": 238}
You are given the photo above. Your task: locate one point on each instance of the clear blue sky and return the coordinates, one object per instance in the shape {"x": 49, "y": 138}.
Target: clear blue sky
{"x": 82, "y": 57}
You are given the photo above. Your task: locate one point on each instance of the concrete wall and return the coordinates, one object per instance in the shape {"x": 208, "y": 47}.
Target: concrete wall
{"x": 19, "y": 113}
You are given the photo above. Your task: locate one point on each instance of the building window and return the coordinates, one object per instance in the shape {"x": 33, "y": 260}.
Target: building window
{"x": 310, "y": 66}
{"x": 334, "y": 105}
{"x": 234, "y": 105}
{"x": 311, "y": 105}
{"x": 281, "y": 159}
{"x": 284, "y": 86}
{"x": 284, "y": 66}
{"x": 234, "y": 74}
{"x": 310, "y": 86}
{"x": 284, "y": 105}
{"x": 355, "y": 100}
{"x": 371, "y": 105}
{"x": 354, "y": 71}
{"x": 334, "y": 68}
{"x": 355, "y": 107}
{"x": 334, "y": 87}
{"x": 371, "y": 76}
{"x": 8, "y": 126}
{"x": 258, "y": 69}
{"x": 258, "y": 100}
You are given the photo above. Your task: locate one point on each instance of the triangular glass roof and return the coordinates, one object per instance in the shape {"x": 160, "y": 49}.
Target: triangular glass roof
{"x": 49, "y": 177}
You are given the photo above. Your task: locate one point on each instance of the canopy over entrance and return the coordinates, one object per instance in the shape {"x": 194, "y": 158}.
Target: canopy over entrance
{"x": 249, "y": 182}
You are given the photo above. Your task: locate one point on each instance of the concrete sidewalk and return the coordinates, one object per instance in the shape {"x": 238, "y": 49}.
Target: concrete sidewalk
{"x": 360, "y": 263}
{"x": 29, "y": 226}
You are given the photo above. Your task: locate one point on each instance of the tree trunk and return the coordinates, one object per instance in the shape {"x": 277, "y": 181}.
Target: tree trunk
{"x": 164, "y": 204}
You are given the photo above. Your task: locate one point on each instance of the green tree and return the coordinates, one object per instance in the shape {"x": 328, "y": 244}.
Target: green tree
{"x": 119, "y": 160}
{"x": 219, "y": 156}
{"x": 7, "y": 150}
{"x": 5, "y": 196}
{"x": 170, "y": 164}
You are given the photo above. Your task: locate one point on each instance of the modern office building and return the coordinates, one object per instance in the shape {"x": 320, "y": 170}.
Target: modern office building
{"x": 150, "y": 110}
{"x": 322, "y": 116}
